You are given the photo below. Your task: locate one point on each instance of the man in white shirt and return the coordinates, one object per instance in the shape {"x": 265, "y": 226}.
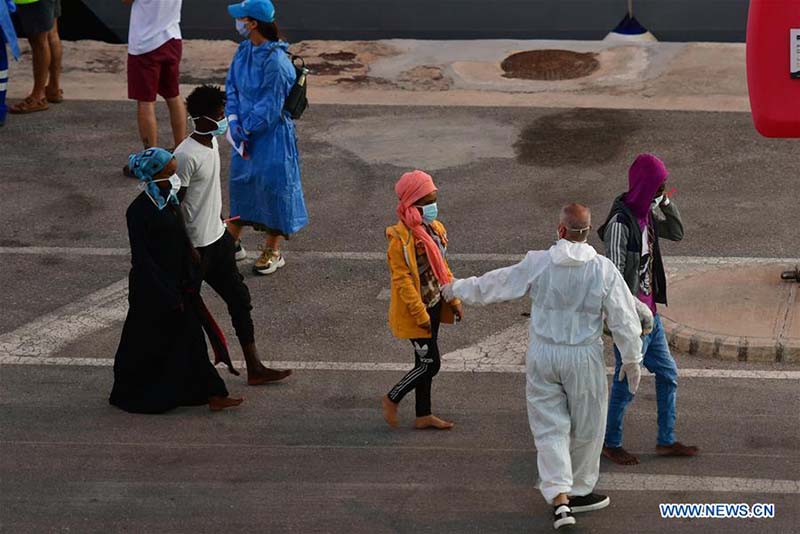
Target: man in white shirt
{"x": 201, "y": 204}
{"x": 571, "y": 288}
{"x": 154, "y": 56}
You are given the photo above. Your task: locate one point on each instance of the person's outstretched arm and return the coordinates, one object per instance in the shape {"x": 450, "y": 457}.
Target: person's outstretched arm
{"x": 509, "y": 283}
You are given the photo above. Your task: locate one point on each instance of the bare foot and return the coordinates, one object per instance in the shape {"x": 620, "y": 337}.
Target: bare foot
{"x": 266, "y": 375}
{"x": 620, "y": 456}
{"x": 220, "y": 403}
{"x": 677, "y": 449}
{"x": 389, "y": 409}
{"x": 431, "y": 421}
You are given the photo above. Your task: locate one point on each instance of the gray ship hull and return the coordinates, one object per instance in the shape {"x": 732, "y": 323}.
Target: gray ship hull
{"x": 669, "y": 20}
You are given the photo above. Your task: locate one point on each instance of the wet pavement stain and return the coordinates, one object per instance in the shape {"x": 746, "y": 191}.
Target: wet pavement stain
{"x": 575, "y": 137}
{"x": 338, "y": 56}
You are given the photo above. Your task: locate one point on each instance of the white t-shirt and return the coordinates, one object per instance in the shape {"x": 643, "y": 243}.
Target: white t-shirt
{"x": 199, "y": 170}
{"x": 153, "y": 23}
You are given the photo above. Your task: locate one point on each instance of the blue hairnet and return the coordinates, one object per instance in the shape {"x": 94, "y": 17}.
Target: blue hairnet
{"x": 149, "y": 162}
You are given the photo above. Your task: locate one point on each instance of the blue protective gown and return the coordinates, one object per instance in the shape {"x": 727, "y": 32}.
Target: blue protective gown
{"x": 265, "y": 189}
{"x": 7, "y": 35}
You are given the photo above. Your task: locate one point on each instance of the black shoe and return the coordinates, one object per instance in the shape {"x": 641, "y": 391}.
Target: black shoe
{"x": 588, "y": 503}
{"x": 562, "y": 516}
{"x": 126, "y": 172}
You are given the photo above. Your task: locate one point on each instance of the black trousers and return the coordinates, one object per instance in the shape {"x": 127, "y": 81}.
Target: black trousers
{"x": 221, "y": 273}
{"x": 427, "y": 362}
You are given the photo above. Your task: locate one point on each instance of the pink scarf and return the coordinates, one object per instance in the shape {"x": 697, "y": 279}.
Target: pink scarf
{"x": 411, "y": 187}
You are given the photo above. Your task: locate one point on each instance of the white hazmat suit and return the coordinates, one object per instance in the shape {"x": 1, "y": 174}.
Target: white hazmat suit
{"x": 571, "y": 288}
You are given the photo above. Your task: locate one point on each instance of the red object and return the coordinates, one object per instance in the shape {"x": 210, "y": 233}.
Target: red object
{"x": 155, "y": 73}
{"x": 774, "y": 94}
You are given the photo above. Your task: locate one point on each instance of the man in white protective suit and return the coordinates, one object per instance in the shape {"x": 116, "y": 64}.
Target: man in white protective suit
{"x": 572, "y": 289}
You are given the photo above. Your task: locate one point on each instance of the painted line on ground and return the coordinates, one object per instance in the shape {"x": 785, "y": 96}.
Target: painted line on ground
{"x": 381, "y": 256}
{"x": 392, "y": 447}
{"x": 451, "y": 367}
{"x": 53, "y": 331}
{"x": 684, "y": 483}
{"x": 502, "y": 352}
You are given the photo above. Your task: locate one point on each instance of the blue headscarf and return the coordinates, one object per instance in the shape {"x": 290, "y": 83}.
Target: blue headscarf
{"x": 145, "y": 165}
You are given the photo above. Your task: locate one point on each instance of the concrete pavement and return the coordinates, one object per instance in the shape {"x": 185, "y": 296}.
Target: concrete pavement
{"x": 665, "y": 76}
{"x": 313, "y": 455}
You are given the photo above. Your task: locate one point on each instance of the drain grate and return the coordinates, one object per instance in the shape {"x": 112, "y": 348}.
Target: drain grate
{"x": 550, "y": 65}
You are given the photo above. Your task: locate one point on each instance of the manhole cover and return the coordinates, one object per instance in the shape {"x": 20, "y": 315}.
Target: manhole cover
{"x": 550, "y": 65}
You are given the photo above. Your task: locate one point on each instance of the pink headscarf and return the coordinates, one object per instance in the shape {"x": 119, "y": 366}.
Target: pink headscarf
{"x": 411, "y": 187}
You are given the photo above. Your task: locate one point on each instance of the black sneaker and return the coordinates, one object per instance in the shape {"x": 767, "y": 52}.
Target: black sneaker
{"x": 562, "y": 516}
{"x": 588, "y": 503}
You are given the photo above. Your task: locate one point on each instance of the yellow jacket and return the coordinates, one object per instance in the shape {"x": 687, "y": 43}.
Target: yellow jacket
{"x": 406, "y": 310}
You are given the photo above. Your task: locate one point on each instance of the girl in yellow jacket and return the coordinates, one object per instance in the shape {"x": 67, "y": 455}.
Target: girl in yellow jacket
{"x": 416, "y": 254}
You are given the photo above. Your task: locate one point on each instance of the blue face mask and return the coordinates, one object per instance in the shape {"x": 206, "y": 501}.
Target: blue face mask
{"x": 430, "y": 212}
{"x": 222, "y": 126}
{"x": 242, "y": 29}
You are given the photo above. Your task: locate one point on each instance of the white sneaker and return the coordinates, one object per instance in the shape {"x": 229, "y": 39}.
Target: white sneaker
{"x": 241, "y": 253}
{"x": 562, "y": 516}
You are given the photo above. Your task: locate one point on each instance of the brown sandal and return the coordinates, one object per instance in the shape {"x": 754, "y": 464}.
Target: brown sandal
{"x": 55, "y": 98}
{"x": 29, "y": 105}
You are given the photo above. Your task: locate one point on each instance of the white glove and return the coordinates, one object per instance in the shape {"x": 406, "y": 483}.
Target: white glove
{"x": 633, "y": 372}
{"x": 645, "y": 316}
{"x": 447, "y": 292}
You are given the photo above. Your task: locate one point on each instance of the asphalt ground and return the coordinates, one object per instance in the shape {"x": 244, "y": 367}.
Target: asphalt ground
{"x": 313, "y": 455}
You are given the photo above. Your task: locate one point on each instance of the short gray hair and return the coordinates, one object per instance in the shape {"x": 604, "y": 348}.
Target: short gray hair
{"x": 577, "y": 219}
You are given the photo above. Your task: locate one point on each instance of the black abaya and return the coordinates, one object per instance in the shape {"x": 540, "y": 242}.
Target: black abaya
{"x": 162, "y": 360}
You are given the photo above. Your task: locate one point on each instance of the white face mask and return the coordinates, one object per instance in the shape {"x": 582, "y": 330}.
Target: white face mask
{"x": 241, "y": 27}
{"x": 175, "y": 186}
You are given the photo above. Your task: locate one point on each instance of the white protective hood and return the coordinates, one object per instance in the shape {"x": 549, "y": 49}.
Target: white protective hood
{"x": 568, "y": 253}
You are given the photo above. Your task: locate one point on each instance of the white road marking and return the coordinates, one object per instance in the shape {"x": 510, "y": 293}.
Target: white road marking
{"x": 683, "y": 484}
{"x": 450, "y": 367}
{"x": 381, "y": 256}
{"x": 51, "y": 332}
{"x": 503, "y": 352}
{"x": 65, "y": 251}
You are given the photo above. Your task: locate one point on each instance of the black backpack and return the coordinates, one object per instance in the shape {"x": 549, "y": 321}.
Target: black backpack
{"x": 297, "y": 101}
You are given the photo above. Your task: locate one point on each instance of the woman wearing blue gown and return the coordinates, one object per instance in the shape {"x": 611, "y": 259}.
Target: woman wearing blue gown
{"x": 265, "y": 188}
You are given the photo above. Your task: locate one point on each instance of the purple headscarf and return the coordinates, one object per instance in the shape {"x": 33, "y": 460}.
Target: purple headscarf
{"x": 646, "y": 175}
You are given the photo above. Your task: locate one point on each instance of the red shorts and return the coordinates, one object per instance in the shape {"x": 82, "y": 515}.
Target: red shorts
{"x": 155, "y": 73}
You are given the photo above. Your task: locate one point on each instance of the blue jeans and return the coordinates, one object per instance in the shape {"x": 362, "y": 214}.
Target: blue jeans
{"x": 3, "y": 76}
{"x": 659, "y": 361}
